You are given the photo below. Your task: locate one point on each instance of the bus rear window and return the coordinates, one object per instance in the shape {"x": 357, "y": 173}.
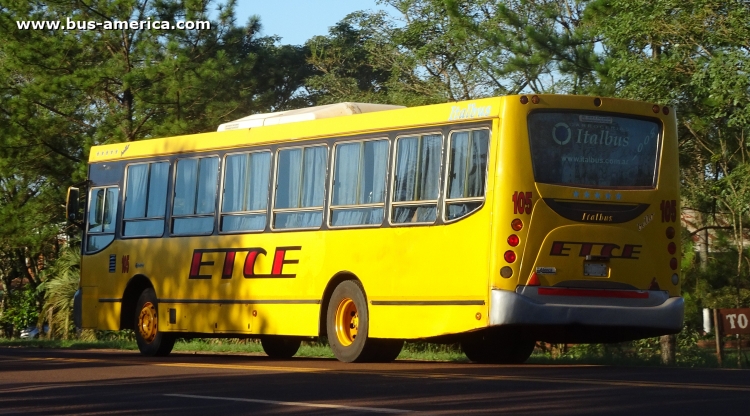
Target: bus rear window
{"x": 594, "y": 149}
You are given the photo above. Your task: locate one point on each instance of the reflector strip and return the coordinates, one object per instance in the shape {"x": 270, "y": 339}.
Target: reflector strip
{"x": 603, "y": 293}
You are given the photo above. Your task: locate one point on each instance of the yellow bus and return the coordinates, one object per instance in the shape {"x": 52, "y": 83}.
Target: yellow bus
{"x": 492, "y": 223}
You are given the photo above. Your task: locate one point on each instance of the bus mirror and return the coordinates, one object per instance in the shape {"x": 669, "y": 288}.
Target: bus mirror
{"x": 72, "y": 205}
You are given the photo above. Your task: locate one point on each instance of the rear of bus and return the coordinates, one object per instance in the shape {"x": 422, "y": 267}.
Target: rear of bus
{"x": 587, "y": 237}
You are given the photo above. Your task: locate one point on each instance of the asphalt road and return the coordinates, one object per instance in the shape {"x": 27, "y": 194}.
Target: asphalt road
{"x": 40, "y": 381}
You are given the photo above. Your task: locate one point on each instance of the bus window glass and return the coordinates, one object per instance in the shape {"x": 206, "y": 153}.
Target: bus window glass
{"x": 157, "y": 189}
{"x": 136, "y": 191}
{"x": 145, "y": 199}
{"x": 184, "y": 189}
{"x": 300, "y": 186}
{"x": 416, "y": 179}
{"x": 102, "y": 214}
{"x": 594, "y": 149}
{"x": 467, "y": 172}
{"x": 246, "y": 192}
{"x": 195, "y": 196}
{"x": 359, "y": 181}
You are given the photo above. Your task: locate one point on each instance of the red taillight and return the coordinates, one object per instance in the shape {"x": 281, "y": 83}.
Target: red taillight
{"x": 673, "y": 263}
{"x": 535, "y": 99}
{"x": 670, "y": 233}
{"x": 524, "y": 99}
{"x": 516, "y": 224}
{"x": 665, "y": 110}
{"x": 510, "y": 256}
{"x": 655, "y": 108}
{"x": 513, "y": 240}
{"x": 672, "y": 247}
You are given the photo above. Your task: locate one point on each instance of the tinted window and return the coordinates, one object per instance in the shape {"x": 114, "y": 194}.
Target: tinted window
{"x": 195, "y": 196}
{"x": 300, "y": 185}
{"x": 245, "y": 192}
{"x": 101, "y": 221}
{"x": 590, "y": 149}
{"x": 467, "y": 172}
{"x": 145, "y": 199}
{"x": 417, "y": 178}
{"x": 358, "y": 182}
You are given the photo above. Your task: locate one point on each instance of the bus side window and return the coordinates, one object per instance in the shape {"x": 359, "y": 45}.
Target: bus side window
{"x": 358, "y": 194}
{"x": 416, "y": 179}
{"x": 195, "y": 196}
{"x": 300, "y": 186}
{"x": 145, "y": 199}
{"x": 102, "y": 214}
{"x": 245, "y": 200}
{"x": 467, "y": 172}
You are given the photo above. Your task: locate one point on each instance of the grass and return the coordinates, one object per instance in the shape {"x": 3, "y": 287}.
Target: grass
{"x": 595, "y": 354}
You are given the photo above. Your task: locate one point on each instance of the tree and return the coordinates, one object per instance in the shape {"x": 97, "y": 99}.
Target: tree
{"x": 63, "y": 91}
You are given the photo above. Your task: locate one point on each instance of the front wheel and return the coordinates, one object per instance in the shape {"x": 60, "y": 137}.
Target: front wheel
{"x": 280, "y": 347}
{"x": 151, "y": 341}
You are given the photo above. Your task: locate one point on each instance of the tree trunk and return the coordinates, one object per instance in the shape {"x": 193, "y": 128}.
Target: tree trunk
{"x": 668, "y": 349}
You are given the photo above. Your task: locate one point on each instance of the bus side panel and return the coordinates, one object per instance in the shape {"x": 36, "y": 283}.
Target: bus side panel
{"x": 90, "y": 307}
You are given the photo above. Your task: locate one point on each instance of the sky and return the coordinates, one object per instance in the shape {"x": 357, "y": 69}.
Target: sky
{"x": 296, "y": 21}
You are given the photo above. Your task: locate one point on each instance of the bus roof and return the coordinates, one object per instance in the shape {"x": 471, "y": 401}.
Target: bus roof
{"x": 335, "y": 120}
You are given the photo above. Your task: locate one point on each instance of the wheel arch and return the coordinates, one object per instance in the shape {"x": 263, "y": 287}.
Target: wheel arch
{"x": 339, "y": 277}
{"x": 136, "y": 285}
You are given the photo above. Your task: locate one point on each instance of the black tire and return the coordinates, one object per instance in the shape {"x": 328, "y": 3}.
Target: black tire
{"x": 497, "y": 347}
{"x": 280, "y": 347}
{"x": 349, "y": 338}
{"x": 387, "y": 350}
{"x": 151, "y": 341}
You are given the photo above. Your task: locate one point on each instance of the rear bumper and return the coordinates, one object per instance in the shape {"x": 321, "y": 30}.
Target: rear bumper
{"x": 612, "y": 322}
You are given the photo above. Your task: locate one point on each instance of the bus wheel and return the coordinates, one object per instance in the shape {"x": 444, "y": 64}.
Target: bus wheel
{"x": 280, "y": 347}
{"x": 387, "y": 350}
{"x": 348, "y": 324}
{"x": 494, "y": 347}
{"x": 151, "y": 341}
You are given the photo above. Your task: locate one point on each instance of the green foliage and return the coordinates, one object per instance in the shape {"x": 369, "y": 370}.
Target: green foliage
{"x": 20, "y": 310}
{"x": 60, "y": 284}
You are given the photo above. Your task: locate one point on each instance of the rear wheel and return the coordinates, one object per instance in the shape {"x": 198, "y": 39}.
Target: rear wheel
{"x": 280, "y": 347}
{"x": 151, "y": 341}
{"x": 348, "y": 324}
{"x": 498, "y": 347}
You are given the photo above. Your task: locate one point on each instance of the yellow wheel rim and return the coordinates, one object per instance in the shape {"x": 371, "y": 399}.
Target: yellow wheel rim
{"x": 347, "y": 322}
{"x": 147, "y": 322}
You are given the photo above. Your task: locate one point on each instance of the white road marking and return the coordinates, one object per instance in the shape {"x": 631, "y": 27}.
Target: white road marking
{"x": 300, "y": 404}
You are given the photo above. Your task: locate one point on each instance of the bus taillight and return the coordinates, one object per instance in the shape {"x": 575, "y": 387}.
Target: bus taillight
{"x": 670, "y": 233}
{"x": 510, "y": 256}
{"x": 513, "y": 240}
{"x": 524, "y": 99}
{"x": 655, "y": 108}
{"x": 516, "y": 224}
{"x": 672, "y": 247}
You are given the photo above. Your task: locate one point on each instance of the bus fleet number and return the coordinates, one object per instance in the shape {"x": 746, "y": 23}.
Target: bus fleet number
{"x": 522, "y": 202}
{"x": 668, "y": 210}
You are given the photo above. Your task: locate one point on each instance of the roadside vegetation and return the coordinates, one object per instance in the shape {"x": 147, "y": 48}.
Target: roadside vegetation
{"x": 55, "y": 105}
